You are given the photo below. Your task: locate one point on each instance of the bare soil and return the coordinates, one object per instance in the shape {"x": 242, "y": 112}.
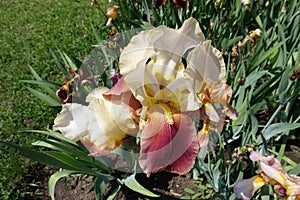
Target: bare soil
{"x": 34, "y": 185}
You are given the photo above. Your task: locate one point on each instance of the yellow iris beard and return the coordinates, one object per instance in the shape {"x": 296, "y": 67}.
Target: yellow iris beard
{"x": 168, "y": 113}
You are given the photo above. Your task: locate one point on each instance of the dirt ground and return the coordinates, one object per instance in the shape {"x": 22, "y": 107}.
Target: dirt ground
{"x": 34, "y": 185}
{"x": 168, "y": 185}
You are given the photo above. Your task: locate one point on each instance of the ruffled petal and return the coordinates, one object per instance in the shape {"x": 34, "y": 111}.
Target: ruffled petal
{"x": 274, "y": 174}
{"x": 111, "y": 122}
{"x": 169, "y": 54}
{"x": 166, "y": 145}
{"x": 154, "y": 45}
{"x": 246, "y": 188}
{"x": 185, "y": 141}
{"x": 205, "y": 64}
{"x": 72, "y": 121}
{"x": 139, "y": 50}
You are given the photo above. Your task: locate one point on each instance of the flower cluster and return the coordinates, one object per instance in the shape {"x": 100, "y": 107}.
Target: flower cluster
{"x": 271, "y": 172}
{"x": 170, "y": 78}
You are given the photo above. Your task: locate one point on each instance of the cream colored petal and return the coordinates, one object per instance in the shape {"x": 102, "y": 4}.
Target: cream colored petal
{"x": 72, "y": 121}
{"x": 177, "y": 41}
{"x": 180, "y": 95}
{"x": 172, "y": 45}
{"x": 111, "y": 122}
{"x": 139, "y": 49}
{"x": 246, "y": 188}
{"x": 164, "y": 45}
{"x": 143, "y": 85}
{"x": 293, "y": 188}
{"x": 205, "y": 64}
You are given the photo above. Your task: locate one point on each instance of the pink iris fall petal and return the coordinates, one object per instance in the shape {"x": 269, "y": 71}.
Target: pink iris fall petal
{"x": 168, "y": 146}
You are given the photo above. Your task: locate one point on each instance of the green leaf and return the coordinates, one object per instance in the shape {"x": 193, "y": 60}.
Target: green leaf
{"x": 189, "y": 190}
{"x": 228, "y": 43}
{"x": 114, "y": 193}
{"x": 35, "y": 155}
{"x": 62, "y": 147}
{"x": 35, "y": 75}
{"x": 277, "y": 128}
{"x": 69, "y": 160}
{"x": 45, "y": 98}
{"x": 132, "y": 183}
{"x": 254, "y": 76}
{"x": 53, "y": 134}
{"x": 100, "y": 45}
{"x": 283, "y": 86}
{"x": 46, "y": 87}
{"x": 100, "y": 184}
{"x": 295, "y": 170}
{"x": 195, "y": 196}
{"x": 54, "y": 178}
{"x": 266, "y": 55}
{"x": 70, "y": 62}
{"x": 60, "y": 66}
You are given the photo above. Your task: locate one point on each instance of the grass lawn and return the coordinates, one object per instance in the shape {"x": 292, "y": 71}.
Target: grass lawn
{"x": 29, "y": 29}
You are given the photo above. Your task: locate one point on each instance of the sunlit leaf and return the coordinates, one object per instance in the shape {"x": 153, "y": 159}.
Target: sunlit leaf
{"x": 132, "y": 183}
{"x": 54, "y": 178}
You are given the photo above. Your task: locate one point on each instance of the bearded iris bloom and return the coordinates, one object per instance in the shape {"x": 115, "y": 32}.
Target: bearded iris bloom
{"x": 271, "y": 172}
{"x": 159, "y": 96}
{"x": 168, "y": 138}
{"x": 102, "y": 124}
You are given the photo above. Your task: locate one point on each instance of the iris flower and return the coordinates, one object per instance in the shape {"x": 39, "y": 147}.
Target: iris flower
{"x": 271, "y": 172}
{"x": 160, "y": 94}
{"x": 152, "y": 67}
{"x": 102, "y": 124}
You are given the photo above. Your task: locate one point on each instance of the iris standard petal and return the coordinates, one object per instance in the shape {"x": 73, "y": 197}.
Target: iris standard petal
{"x": 143, "y": 85}
{"x": 164, "y": 45}
{"x": 180, "y": 95}
{"x": 139, "y": 49}
{"x": 205, "y": 64}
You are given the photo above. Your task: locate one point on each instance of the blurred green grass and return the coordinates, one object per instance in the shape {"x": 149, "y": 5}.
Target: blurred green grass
{"x": 28, "y": 30}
